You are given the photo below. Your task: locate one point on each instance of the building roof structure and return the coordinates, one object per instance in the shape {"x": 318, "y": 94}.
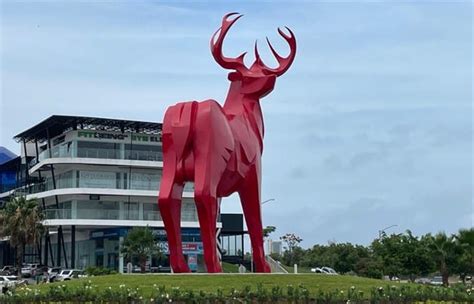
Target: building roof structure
{"x": 57, "y": 124}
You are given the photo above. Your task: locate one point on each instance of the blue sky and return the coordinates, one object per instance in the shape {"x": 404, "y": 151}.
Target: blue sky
{"x": 371, "y": 127}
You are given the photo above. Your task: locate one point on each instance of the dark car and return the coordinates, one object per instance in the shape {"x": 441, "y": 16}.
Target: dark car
{"x": 160, "y": 269}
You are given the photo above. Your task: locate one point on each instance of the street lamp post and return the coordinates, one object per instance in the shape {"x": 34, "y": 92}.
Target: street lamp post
{"x": 383, "y": 230}
{"x": 266, "y": 201}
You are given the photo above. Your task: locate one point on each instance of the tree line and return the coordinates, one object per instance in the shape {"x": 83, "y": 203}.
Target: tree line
{"x": 395, "y": 255}
{"x": 400, "y": 255}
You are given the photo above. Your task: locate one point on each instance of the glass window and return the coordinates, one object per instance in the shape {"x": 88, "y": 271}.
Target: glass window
{"x": 145, "y": 181}
{"x": 97, "y": 179}
{"x": 151, "y": 212}
{"x": 98, "y": 210}
{"x": 143, "y": 152}
{"x": 130, "y": 211}
{"x": 188, "y": 212}
{"x": 98, "y": 149}
{"x": 64, "y": 180}
{"x": 63, "y": 212}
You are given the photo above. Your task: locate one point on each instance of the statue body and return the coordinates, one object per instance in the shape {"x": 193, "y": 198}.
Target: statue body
{"x": 219, "y": 148}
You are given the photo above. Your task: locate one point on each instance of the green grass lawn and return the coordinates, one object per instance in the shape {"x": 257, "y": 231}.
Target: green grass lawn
{"x": 230, "y": 268}
{"x": 291, "y": 269}
{"x": 210, "y": 283}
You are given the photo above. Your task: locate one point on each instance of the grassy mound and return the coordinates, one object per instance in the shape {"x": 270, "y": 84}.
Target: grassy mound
{"x": 234, "y": 288}
{"x": 210, "y": 282}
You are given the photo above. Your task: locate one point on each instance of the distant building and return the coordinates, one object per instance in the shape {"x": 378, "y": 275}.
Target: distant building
{"x": 274, "y": 247}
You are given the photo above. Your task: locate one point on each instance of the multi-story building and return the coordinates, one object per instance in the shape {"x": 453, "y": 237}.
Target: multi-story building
{"x": 275, "y": 247}
{"x": 95, "y": 178}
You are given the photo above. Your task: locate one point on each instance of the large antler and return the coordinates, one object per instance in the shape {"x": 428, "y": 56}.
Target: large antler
{"x": 216, "y": 46}
{"x": 237, "y": 63}
{"x": 284, "y": 63}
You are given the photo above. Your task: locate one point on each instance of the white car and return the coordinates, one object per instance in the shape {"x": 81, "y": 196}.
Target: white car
{"x": 28, "y": 269}
{"x": 8, "y": 271}
{"x": 437, "y": 281}
{"x": 53, "y": 273}
{"x": 8, "y": 282}
{"x": 325, "y": 270}
{"x": 68, "y": 274}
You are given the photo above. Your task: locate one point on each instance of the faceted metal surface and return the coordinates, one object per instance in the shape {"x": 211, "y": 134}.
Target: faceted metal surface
{"x": 219, "y": 148}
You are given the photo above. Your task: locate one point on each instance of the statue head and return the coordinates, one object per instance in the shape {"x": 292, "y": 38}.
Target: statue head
{"x": 258, "y": 80}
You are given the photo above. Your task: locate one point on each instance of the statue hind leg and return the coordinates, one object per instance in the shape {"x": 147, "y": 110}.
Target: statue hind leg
{"x": 210, "y": 160}
{"x": 169, "y": 203}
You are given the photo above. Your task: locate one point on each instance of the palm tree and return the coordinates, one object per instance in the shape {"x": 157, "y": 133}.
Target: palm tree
{"x": 20, "y": 221}
{"x": 140, "y": 242}
{"x": 444, "y": 251}
{"x": 465, "y": 242}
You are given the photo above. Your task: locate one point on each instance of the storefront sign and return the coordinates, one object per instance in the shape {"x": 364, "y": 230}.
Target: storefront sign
{"x": 193, "y": 262}
{"x": 188, "y": 247}
{"x": 119, "y": 136}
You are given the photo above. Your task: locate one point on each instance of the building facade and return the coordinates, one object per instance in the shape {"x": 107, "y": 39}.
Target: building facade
{"x": 95, "y": 178}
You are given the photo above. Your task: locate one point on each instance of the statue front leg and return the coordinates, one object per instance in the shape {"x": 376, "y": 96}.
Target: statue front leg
{"x": 250, "y": 198}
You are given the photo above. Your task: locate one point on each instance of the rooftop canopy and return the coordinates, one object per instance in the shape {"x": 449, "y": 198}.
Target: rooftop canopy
{"x": 58, "y": 124}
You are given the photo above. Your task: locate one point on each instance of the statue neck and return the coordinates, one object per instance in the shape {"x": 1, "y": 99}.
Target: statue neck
{"x": 246, "y": 106}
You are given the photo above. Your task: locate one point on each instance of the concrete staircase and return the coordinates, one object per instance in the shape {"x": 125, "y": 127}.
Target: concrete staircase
{"x": 275, "y": 265}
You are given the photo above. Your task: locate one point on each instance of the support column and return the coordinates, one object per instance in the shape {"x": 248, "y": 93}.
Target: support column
{"x": 60, "y": 228}
{"x": 243, "y": 249}
{"x": 64, "y": 249}
{"x": 50, "y": 249}
{"x": 46, "y": 241}
{"x": 140, "y": 211}
{"x": 39, "y": 249}
{"x": 121, "y": 211}
{"x": 121, "y": 259}
{"x": 73, "y": 246}
{"x": 59, "y": 236}
{"x": 74, "y": 209}
{"x": 27, "y": 174}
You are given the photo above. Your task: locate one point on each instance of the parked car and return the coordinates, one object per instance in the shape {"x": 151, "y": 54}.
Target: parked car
{"x": 7, "y": 282}
{"x": 325, "y": 270}
{"x": 68, "y": 274}
{"x": 329, "y": 270}
{"x": 42, "y": 269}
{"x": 28, "y": 270}
{"x": 437, "y": 281}
{"x": 423, "y": 281}
{"x": 8, "y": 270}
{"x": 53, "y": 273}
{"x": 160, "y": 269}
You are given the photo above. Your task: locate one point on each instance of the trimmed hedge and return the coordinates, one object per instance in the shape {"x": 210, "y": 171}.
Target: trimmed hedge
{"x": 89, "y": 293}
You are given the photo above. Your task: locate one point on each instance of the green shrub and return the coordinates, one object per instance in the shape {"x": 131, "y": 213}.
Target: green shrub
{"x": 89, "y": 293}
{"x": 98, "y": 271}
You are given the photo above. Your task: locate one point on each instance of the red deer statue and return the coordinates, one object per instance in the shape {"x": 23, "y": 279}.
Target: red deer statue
{"x": 220, "y": 150}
